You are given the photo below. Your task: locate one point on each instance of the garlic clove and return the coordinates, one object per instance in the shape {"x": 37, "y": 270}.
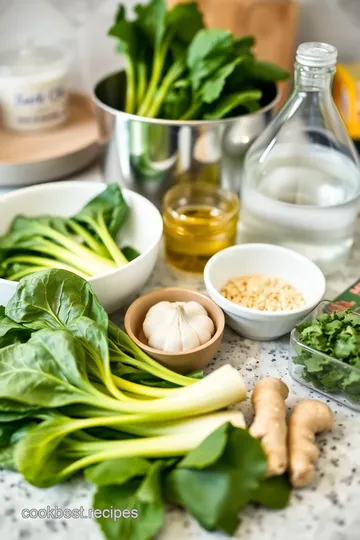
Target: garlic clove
{"x": 193, "y": 308}
{"x": 157, "y": 314}
{"x": 189, "y": 338}
{"x": 172, "y": 342}
{"x": 204, "y": 327}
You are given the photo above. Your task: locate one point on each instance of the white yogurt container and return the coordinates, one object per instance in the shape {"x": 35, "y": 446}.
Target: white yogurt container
{"x": 33, "y": 88}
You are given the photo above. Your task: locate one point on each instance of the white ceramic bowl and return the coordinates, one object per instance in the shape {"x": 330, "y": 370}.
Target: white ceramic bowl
{"x": 271, "y": 260}
{"x": 143, "y": 231}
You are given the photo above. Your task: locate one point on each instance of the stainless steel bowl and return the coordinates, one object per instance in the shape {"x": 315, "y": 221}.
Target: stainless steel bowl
{"x": 149, "y": 155}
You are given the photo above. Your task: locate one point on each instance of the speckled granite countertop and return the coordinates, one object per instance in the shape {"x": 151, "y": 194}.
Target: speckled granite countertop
{"x": 328, "y": 510}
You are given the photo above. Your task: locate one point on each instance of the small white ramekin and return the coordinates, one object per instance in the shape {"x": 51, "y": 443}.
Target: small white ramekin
{"x": 269, "y": 260}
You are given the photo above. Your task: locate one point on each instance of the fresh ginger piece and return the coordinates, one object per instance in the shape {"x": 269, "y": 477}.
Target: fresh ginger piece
{"x": 307, "y": 418}
{"x": 269, "y": 425}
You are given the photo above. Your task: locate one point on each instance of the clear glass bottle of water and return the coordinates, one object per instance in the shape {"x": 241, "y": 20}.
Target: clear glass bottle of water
{"x": 301, "y": 183}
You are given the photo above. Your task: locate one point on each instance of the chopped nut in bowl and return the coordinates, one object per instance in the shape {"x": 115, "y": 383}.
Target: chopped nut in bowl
{"x": 266, "y": 293}
{"x": 263, "y": 289}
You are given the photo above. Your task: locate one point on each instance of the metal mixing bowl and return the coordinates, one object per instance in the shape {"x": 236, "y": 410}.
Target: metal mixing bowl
{"x": 149, "y": 155}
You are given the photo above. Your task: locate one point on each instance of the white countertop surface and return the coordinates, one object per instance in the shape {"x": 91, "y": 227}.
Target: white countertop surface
{"x": 327, "y": 510}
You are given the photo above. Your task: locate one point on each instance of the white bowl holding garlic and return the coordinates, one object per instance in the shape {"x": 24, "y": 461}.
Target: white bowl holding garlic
{"x": 272, "y": 288}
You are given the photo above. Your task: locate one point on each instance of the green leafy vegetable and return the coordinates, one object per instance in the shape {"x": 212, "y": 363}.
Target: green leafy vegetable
{"x": 131, "y": 41}
{"x": 190, "y": 64}
{"x": 117, "y": 471}
{"x": 273, "y": 492}
{"x": 143, "y": 497}
{"x": 130, "y": 253}
{"x": 249, "y": 100}
{"x": 105, "y": 215}
{"x": 10, "y": 331}
{"x": 76, "y": 394}
{"x": 338, "y": 336}
{"x": 84, "y": 244}
{"x": 217, "y": 479}
{"x": 54, "y": 299}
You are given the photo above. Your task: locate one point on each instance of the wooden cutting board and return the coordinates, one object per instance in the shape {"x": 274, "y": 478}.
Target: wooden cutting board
{"x": 273, "y": 23}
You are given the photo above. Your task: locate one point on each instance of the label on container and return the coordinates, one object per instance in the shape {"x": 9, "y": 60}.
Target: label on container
{"x": 350, "y": 299}
{"x": 28, "y": 104}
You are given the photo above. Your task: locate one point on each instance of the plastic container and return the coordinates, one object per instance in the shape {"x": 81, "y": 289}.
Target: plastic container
{"x": 301, "y": 183}
{"x": 338, "y": 371}
{"x": 33, "y": 88}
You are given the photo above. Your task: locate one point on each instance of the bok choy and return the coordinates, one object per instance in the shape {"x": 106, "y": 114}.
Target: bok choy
{"x": 84, "y": 244}
{"x": 77, "y": 394}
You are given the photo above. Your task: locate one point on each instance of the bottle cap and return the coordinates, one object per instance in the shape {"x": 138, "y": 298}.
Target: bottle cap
{"x": 316, "y": 54}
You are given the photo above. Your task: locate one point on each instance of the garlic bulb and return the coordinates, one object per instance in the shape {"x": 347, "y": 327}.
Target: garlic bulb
{"x": 177, "y": 326}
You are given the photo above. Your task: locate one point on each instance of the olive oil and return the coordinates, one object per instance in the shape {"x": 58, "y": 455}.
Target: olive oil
{"x": 199, "y": 221}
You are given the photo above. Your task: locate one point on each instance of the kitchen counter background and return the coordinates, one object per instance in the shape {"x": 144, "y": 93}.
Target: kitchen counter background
{"x": 327, "y": 510}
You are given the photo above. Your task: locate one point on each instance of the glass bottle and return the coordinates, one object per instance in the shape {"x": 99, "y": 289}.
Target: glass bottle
{"x": 301, "y": 182}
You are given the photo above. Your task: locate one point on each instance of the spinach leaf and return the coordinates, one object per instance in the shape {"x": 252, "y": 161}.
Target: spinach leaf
{"x": 5, "y": 435}
{"x": 54, "y": 299}
{"x": 214, "y": 84}
{"x": 58, "y": 299}
{"x": 209, "y": 452}
{"x": 94, "y": 339}
{"x": 10, "y": 435}
{"x": 243, "y": 45}
{"x": 117, "y": 471}
{"x": 273, "y": 492}
{"x": 48, "y": 371}
{"x": 217, "y": 487}
{"x": 36, "y": 456}
{"x": 7, "y": 458}
{"x": 184, "y": 21}
{"x": 249, "y": 100}
{"x": 109, "y": 208}
{"x": 130, "y": 253}
{"x": 142, "y": 497}
{"x": 25, "y": 227}
{"x": 10, "y": 331}
{"x": 11, "y": 411}
{"x": 152, "y": 19}
{"x": 266, "y": 71}
{"x": 206, "y": 43}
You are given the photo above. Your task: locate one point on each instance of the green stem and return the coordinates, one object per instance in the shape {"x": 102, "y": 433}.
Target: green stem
{"x": 44, "y": 262}
{"x": 62, "y": 254}
{"x": 104, "y": 372}
{"x": 88, "y": 238}
{"x": 192, "y": 111}
{"x": 145, "y": 363}
{"x": 140, "y": 389}
{"x": 141, "y": 81}
{"x": 100, "y": 263}
{"x": 172, "y": 75}
{"x": 158, "y": 64}
{"x": 130, "y": 104}
{"x": 108, "y": 241}
{"x": 25, "y": 272}
{"x": 152, "y": 447}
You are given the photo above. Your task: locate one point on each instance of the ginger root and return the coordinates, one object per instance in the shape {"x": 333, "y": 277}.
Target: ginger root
{"x": 308, "y": 417}
{"x": 269, "y": 425}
